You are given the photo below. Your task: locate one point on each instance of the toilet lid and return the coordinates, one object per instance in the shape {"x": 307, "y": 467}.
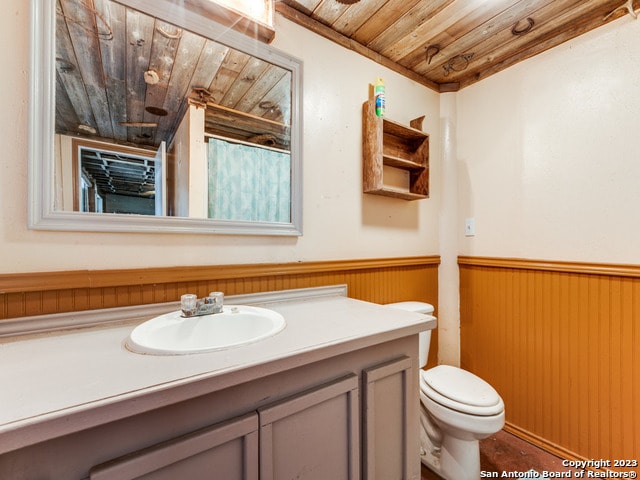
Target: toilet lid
{"x": 412, "y": 306}
{"x": 461, "y": 390}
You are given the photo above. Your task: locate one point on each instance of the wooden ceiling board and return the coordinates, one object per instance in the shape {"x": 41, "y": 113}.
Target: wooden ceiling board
{"x": 164, "y": 50}
{"x": 328, "y": 12}
{"x": 441, "y": 21}
{"x": 109, "y": 55}
{"x": 461, "y": 36}
{"x": 273, "y": 100}
{"x": 490, "y": 61}
{"x": 178, "y": 85}
{"x": 395, "y": 32}
{"x": 252, "y": 71}
{"x": 467, "y": 36}
{"x": 354, "y": 17}
{"x": 498, "y": 46}
{"x": 392, "y": 10}
{"x": 467, "y": 40}
{"x": 306, "y": 7}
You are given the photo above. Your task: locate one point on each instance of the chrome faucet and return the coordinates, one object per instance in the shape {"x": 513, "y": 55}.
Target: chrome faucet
{"x": 192, "y": 306}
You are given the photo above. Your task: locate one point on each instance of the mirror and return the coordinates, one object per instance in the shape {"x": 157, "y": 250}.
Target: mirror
{"x": 149, "y": 117}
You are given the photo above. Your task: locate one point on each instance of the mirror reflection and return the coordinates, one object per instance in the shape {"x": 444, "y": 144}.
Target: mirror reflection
{"x": 153, "y": 119}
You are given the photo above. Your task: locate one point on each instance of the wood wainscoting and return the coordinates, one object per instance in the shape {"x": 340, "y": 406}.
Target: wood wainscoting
{"x": 375, "y": 280}
{"x": 560, "y": 342}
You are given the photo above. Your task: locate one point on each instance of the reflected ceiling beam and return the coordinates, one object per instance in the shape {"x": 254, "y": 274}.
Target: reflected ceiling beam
{"x": 138, "y": 124}
{"x": 227, "y": 122}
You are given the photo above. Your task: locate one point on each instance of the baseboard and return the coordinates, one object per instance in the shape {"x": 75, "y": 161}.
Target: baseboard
{"x": 542, "y": 443}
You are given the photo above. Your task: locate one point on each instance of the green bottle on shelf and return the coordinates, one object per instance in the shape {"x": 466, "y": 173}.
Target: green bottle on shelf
{"x": 378, "y": 95}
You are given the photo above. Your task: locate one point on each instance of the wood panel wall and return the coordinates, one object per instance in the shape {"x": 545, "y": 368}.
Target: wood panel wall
{"x": 561, "y": 344}
{"x": 376, "y": 280}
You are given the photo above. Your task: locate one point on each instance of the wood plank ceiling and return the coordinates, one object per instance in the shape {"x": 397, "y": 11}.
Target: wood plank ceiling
{"x": 450, "y": 44}
{"x": 127, "y": 77}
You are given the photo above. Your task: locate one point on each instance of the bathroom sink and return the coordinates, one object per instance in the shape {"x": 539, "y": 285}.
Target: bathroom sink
{"x": 172, "y": 334}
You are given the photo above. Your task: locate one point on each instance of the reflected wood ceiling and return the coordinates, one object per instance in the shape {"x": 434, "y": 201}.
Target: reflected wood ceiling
{"x": 450, "y": 44}
{"x": 127, "y": 78}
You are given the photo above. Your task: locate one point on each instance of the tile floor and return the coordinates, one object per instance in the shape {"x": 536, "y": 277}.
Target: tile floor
{"x": 504, "y": 452}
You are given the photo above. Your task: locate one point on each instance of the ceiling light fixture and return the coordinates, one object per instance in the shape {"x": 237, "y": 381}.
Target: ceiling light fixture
{"x": 347, "y": 2}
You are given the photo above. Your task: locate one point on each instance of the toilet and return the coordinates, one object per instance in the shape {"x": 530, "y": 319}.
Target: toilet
{"x": 457, "y": 409}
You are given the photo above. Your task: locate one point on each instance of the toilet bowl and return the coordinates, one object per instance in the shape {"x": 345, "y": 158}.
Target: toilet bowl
{"x": 457, "y": 409}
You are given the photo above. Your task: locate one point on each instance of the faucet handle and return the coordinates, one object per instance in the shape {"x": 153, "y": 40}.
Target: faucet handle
{"x": 189, "y": 304}
{"x": 217, "y": 300}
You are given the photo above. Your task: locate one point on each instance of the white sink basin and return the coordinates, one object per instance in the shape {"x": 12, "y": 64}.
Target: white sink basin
{"x": 172, "y": 334}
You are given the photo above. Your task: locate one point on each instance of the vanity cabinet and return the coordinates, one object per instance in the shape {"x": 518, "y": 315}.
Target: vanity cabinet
{"x": 348, "y": 417}
{"x": 387, "y": 406}
{"x": 293, "y": 438}
{"x": 230, "y": 450}
{"x": 314, "y": 435}
{"x": 391, "y": 149}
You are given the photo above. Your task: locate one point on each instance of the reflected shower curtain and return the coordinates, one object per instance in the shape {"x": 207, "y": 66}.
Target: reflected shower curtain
{"x": 248, "y": 183}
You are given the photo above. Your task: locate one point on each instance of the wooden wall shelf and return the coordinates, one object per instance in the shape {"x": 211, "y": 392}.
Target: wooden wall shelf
{"x": 386, "y": 143}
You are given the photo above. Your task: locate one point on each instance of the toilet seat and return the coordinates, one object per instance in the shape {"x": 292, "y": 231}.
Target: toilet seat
{"x": 460, "y": 390}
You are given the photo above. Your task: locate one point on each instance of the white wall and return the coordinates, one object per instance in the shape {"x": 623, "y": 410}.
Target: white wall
{"x": 339, "y": 222}
{"x": 548, "y": 150}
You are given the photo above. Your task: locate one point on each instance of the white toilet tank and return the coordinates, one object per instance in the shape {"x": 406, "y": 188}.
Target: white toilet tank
{"x": 425, "y": 337}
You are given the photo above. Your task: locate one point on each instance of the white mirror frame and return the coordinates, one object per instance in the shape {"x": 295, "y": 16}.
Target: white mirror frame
{"x": 41, "y": 191}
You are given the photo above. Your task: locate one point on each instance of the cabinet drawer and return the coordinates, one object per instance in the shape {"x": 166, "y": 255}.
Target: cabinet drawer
{"x": 226, "y": 450}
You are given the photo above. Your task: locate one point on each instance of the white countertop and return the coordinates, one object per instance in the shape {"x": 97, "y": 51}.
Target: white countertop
{"x": 60, "y": 383}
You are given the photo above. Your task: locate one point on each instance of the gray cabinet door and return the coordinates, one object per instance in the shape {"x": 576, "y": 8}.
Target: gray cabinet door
{"x": 228, "y": 450}
{"x": 390, "y": 402}
{"x": 313, "y": 435}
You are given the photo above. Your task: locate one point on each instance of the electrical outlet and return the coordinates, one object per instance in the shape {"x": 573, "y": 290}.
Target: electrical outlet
{"x": 469, "y": 227}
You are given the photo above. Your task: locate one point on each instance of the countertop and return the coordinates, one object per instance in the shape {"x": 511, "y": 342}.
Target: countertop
{"x": 64, "y": 382}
